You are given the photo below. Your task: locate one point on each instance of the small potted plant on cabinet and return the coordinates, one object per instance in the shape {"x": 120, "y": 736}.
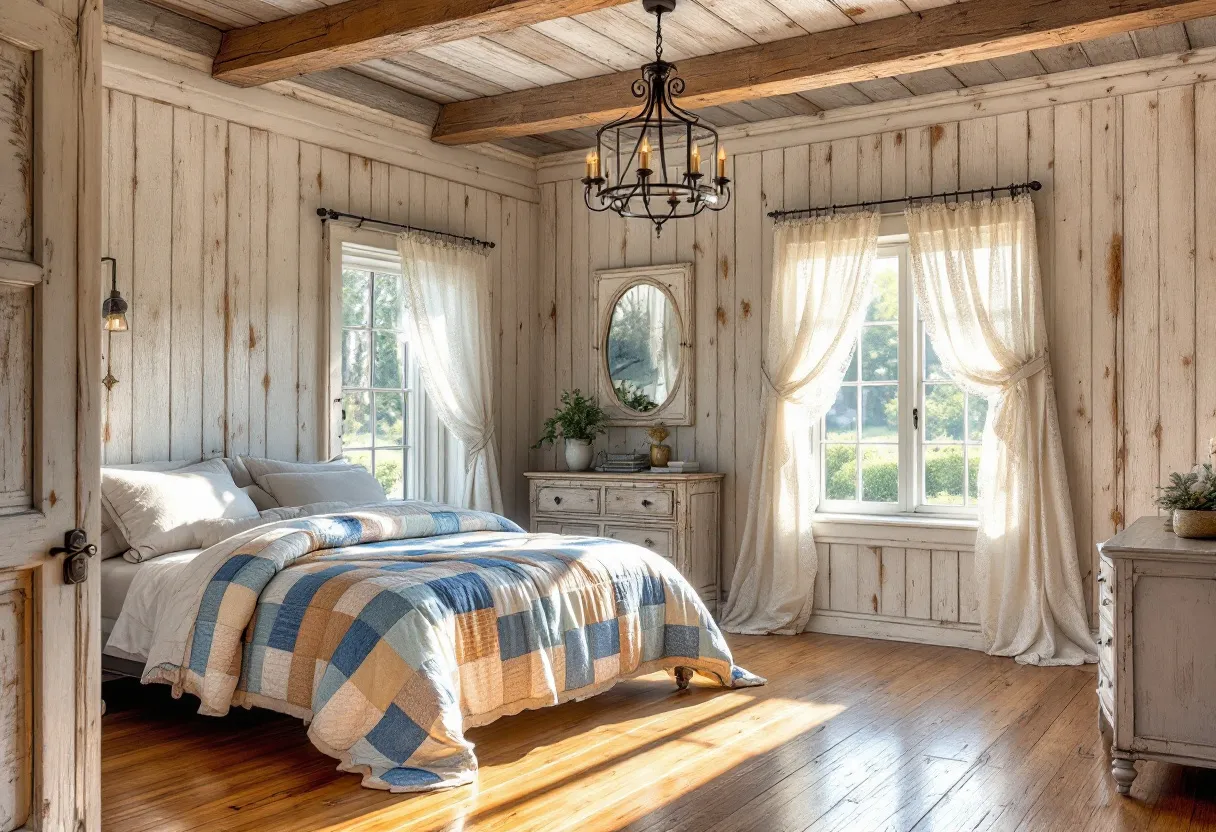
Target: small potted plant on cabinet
{"x": 1191, "y": 500}
{"x": 578, "y": 421}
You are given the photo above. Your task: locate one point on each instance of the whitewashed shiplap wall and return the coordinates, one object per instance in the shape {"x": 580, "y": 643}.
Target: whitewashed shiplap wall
{"x": 1125, "y": 290}
{"x": 220, "y": 254}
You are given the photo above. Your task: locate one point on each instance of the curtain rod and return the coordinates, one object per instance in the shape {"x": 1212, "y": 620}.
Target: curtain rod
{"x": 1014, "y": 190}
{"x": 331, "y": 214}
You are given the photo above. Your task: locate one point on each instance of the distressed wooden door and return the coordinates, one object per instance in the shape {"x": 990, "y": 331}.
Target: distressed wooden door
{"x": 50, "y": 280}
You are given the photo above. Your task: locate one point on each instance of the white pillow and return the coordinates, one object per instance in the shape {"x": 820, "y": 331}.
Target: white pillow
{"x": 113, "y": 544}
{"x": 352, "y": 486}
{"x": 155, "y": 510}
{"x": 258, "y": 467}
{"x": 259, "y": 496}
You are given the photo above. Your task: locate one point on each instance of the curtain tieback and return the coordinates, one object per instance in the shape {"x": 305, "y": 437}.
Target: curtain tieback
{"x": 480, "y": 445}
{"x": 1032, "y": 367}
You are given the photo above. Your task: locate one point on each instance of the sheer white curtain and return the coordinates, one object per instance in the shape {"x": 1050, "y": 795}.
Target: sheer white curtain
{"x": 447, "y": 304}
{"x": 977, "y": 281}
{"x": 821, "y": 274}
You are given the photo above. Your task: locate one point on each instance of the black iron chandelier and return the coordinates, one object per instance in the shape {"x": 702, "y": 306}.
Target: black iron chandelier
{"x": 656, "y": 155}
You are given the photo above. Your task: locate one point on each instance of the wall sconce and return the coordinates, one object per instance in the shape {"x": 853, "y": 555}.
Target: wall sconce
{"x": 114, "y": 308}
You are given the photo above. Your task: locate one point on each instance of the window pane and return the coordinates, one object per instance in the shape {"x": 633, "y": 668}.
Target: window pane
{"x": 973, "y": 474}
{"x": 943, "y": 413}
{"x": 356, "y": 358}
{"x": 880, "y": 353}
{"x": 884, "y": 300}
{"x": 851, "y": 373}
{"x": 390, "y": 473}
{"x": 944, "y": 475}
{"x": 841, "y": 420}
{"x": 363, "y": 458}
{"x": 386, "y": 301}
{"x": 880, "y": 473}
{"x": 934, "y": 371}
{"x": 390, "y": 419}
{"x": 977, "y": 410}
{"x": 356, "y": 288}
{"x": 357, "y": 424}
{"x": 840, "y": 471}
{"x": 389, "y": 361}
{"x": 880, "y": 412}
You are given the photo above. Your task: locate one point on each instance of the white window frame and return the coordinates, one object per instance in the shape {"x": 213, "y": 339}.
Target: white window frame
{"x": 379, "y": 256}
{"x": 911, "y": 502}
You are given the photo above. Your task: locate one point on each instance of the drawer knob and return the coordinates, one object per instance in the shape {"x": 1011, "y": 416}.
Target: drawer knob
{"x": 557, "y": 501}
{"x": 649, "y": 542}
{"x": 646, "y": 503}
{"x": 1101, "y": 579}
{"x": 1106, "y": 602}
{"x": 1107, "y": 642}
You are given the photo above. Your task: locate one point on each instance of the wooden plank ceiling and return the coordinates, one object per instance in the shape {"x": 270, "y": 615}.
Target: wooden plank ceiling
{"x": 621, "y": 38}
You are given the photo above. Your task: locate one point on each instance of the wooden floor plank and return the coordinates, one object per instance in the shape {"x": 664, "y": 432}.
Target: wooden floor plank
{"x": 850, "y": 734}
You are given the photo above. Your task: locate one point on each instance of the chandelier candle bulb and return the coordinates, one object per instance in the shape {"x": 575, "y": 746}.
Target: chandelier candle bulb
{"x": 694, "y": 161}
{"x": 593, "y": 165}
{"x": 722, "y": 162}
{"x": 644, "y": 154}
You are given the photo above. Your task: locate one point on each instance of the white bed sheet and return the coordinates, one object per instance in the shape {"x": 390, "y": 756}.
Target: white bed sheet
{"x": 131, "y": 595}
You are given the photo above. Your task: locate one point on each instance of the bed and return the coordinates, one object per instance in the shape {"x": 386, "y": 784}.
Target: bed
{"x": 392, "y": 627}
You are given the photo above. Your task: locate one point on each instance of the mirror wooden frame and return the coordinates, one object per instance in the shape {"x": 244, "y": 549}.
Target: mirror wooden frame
{"x": 676, "y": 280}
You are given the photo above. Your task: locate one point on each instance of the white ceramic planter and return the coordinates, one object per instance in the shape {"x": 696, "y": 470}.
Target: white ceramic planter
{"x": 578, "y": 454}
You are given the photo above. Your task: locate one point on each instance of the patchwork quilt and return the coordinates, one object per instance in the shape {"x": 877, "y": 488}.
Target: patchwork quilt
{"x": 393, "y": 628}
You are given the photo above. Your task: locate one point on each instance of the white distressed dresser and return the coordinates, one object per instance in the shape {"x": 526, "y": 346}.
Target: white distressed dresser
{"x": 1157, "y": 648}
{"x": 674, "y": 515}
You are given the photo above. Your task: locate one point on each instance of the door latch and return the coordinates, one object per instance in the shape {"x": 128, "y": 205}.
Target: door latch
{"x": 78, "y": 549}
{"x": 915, "y": 418}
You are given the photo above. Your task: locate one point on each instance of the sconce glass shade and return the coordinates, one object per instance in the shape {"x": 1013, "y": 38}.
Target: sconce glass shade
{"x": 114, "y": 310}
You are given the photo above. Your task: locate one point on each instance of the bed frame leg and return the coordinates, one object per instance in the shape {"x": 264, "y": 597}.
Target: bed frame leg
{"x": 683, "y": 677}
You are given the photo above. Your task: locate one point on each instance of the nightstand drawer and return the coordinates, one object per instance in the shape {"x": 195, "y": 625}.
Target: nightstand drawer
{"x": 656, "y": 540}
{"x": 650, "y": 502}
{"x": 567, "y": 500}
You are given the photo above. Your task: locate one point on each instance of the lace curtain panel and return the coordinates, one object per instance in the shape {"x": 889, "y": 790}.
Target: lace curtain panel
{"x": 821, "y": 272}
{"x": 975, "y": 267}
{"x": 447, "y": 304}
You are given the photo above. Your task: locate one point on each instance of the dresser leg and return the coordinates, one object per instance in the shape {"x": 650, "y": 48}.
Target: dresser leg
{"x": 683, "y": 677}
{"x": 1124, "y": 772}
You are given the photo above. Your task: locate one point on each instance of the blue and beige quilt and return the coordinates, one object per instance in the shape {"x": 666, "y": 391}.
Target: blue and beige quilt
{"x": 391, "y": 629}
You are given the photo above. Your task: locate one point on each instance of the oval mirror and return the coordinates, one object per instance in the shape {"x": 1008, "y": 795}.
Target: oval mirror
{"x": 643, "y": 347}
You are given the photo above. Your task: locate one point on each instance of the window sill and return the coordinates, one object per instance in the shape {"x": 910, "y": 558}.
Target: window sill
{"x": 912, "y": 531}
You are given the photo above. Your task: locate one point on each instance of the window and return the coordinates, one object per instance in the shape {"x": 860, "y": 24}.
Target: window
{"x": 901, "y": 436}
{"x": 378, "y": 427}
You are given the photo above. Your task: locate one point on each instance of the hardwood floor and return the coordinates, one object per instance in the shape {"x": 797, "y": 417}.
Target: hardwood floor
{"x": 849, "y": 734}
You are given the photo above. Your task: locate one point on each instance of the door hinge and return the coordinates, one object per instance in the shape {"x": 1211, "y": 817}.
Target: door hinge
{"x": 78, "y": 549}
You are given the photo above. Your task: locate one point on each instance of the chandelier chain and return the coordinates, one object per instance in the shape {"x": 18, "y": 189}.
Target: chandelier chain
{"x": 658, "y": 37}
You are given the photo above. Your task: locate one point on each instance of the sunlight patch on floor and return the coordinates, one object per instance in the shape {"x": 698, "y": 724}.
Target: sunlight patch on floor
{"x": 618, "y": 772}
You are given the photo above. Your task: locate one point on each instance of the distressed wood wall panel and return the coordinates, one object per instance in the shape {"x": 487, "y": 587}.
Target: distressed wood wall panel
{"x": 1123, "y": 259}
{"x": 221, "y": 254}
{"x": 16, "y": 398}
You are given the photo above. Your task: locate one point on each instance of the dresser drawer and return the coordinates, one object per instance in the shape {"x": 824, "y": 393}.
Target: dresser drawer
{"x": 656, "y": 540}
{"x": 1106, "y": 689}
{"x": 567, "y": 500}
{"x": 648, "y": 502}
{"x": 1106, "y": 584}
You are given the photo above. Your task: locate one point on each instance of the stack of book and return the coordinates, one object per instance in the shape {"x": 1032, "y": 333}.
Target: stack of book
{"x": 624, "y": 463}
{"x": 678, "y": 467}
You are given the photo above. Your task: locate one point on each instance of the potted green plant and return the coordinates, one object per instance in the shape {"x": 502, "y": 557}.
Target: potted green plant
{"x": 1191, "y": 499}
{"x": 578, "y": 421}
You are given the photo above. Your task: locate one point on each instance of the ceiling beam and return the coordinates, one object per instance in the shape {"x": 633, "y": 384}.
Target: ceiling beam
{"x": 937, "y": 37}
{"x": 360, "y": 30}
